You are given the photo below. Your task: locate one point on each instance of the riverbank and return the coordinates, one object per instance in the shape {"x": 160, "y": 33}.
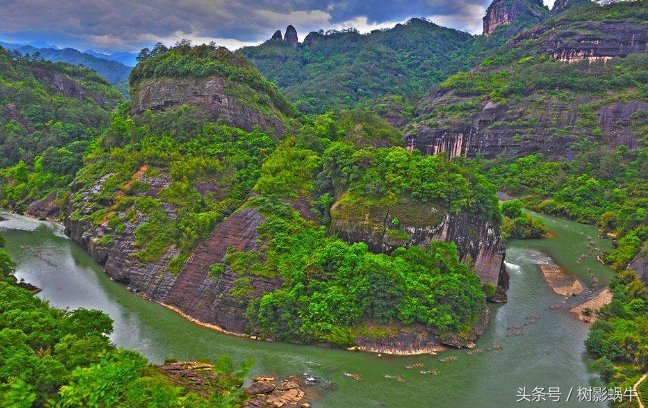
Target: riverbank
{"x": 549, "y": 351}
{"x": 409, "y": 340}
{"x": 587, "y": 311}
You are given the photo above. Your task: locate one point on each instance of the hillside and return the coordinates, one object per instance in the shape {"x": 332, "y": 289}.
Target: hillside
{"x": 579, "y": 77}
{"x": 559, "y": 118}
{"x": 48, "y": 115}
{"x": 200, "y": 205}
{"x": 114, "y": 71}
{"x": 345, "y": 68}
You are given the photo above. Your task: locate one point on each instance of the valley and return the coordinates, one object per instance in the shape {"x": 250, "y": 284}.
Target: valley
{"x": 388, "y": 218}
{"x": 546, "y": 353}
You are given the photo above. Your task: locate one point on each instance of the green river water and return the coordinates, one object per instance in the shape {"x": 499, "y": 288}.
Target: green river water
{"x": 549, "y": 353}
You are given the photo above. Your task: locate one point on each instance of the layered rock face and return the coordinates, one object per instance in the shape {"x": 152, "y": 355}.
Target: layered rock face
{"x": 534, "y": 120}
{"x": 213, "y": 94}
{"x": 290, "y": 37}
{"x": 590, "y": 41}
{"x": 505, "y": 12}
{"x": 407, "y": 223}
{"x": 519, "y": 130}
{"x": 194, "y": 291}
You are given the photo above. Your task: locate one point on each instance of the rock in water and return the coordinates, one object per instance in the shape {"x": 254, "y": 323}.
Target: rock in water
{"x": 277, "y": 36}
{"x": 291, "y": 36}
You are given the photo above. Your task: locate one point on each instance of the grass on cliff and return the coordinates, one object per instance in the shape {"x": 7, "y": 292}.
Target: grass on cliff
{"x": 175, "y": 177}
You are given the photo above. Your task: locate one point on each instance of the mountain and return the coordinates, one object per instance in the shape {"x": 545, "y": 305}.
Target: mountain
{"x": 577, "y": 78}
{"x": 558, "y": 118}
{"x": 44, "y": 105}
{"x": 346, "y": 68}
{"x": 110, "y": 69}
{"x": 124, "y": 57}
{"x": 49, "y": 113}
{"x": 223, "y": 84}
{"x": 211, "y": 195}
{"x": 504, "y": 13}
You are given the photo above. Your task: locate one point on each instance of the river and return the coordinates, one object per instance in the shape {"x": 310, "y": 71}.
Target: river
{"x": 548, "y": 353}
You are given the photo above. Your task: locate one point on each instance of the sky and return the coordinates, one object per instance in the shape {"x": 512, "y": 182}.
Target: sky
{"x": 129, "y": 25}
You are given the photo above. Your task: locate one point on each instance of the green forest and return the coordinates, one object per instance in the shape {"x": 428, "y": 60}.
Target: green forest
{"x": 52, "y": 357}
{"x": 355, "y": 234}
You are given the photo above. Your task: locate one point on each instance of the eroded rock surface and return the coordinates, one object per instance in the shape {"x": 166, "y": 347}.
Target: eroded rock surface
{"x": 478, "y": 242}
{"x": 505, "y": 12}
{"x": 212, "y": 94}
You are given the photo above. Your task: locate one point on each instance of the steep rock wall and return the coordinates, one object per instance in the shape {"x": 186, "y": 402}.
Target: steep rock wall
{"x": 590, "y": 41}
{"x": 213, "y": 94}
{"x": 505, "y": 12}
{"x": 519, "y": 129}
{"x": 194, "y": 291}
{"x": 407, "y": 223}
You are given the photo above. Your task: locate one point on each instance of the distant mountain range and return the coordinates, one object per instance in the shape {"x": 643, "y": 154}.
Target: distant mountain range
{"x": 114, "y": 67}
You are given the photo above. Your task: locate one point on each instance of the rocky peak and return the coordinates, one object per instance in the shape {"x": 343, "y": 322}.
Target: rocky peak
{"x": 291, "y": 36}
{"x": 277, "y": 36}
{"x": 505, "y": 12}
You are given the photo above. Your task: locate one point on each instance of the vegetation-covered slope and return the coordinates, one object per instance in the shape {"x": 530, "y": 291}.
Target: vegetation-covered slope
{"x": 113, "y": 71}
{"x": 231, "y": 226}
{"x": 345, "y": 68}
{"x": 527, "y": 99}
{"x": 48, "y": 114}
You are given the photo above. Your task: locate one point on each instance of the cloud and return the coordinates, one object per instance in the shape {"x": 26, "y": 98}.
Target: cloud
{"x": 130, "y": 25}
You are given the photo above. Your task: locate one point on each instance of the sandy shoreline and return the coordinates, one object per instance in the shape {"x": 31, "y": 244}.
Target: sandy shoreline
{"x": 586, "y": 311}
{"x": 560, "y": 281}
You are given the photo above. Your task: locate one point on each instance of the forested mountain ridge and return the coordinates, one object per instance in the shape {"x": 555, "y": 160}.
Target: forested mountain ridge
{"x": 48, "y": 114}
{"x": 233, "y": 226}
{"x": 114, "y": 71}
{"x": 344, "y": 68}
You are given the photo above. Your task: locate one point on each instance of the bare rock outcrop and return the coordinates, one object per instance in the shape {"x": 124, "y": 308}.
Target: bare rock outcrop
{"x": 479, "y": 243}
{"x": 520, "y": 129}
{"x": 591, "y": 41}
{"x": 212, "y": 94}
{"x": 291, "y": 36}
{"x": 505, "y": 12}
{"x": 267, "y": 393}
{"x": 45, "y": 209}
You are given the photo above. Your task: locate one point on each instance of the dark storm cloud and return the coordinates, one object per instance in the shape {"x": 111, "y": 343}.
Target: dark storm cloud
{"x": 121, "y": 24}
